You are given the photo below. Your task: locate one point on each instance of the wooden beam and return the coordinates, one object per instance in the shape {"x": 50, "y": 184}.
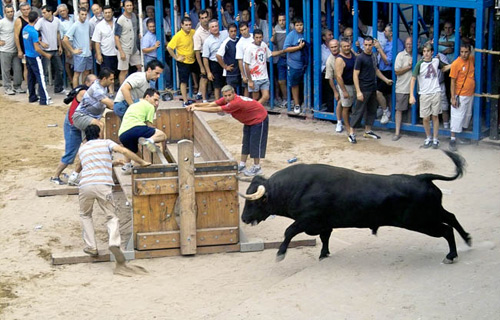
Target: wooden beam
{"x": 293, "y": 244}
{"x": 187, "y": 197}
{"x": 170, "y": 185}
{"x": 79, "y": 257}
{"x": 177, "y": 252}
{"x": 61, "y": 191}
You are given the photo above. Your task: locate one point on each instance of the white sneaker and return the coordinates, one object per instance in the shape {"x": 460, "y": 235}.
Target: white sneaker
{"x": 241, "y": 168}
{"x": 127, "y": 168}
{"x": 73, "y": 179}
{"x": 253, "y": 171}
{"x": 148, "y": 144}
{"x": 340, "y": 127}
{"x": 10, "y": 92}
{"x": 296, "y": 109}
{"x": 385, "y": 117}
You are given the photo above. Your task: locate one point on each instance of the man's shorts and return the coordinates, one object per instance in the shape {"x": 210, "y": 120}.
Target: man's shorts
{"x": 81, "y": 120}
{"x": 445, "y": 106}
{"x": 130, "y": 60}
{"x": 255, "y": 139}
{"x": 184, "y": 71}
{"x": 81, "y": 64}
{"x": 110, "y": 62}
{"x": 351, "y": 90}
{"x": 296, "y": 76}
{"x": 430, "y": 104}
{"x": 382, "y": 86}
{"x": 282, "y": 69}
{"x": 259, "y": 85}
{"x": 402, "y": 101}
{"x": 130, "y": 138}
{"x": 217, "y": 70}
{"x": 234, "y": 81}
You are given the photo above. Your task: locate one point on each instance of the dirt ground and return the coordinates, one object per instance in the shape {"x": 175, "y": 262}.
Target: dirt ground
{"x": 395, "y": 275}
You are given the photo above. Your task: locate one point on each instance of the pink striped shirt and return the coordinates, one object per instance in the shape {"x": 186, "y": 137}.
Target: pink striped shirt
{"x": 97, "y": 164}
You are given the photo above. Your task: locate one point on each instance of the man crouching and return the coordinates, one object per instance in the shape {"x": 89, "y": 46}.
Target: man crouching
{"x": 95, "y": 184}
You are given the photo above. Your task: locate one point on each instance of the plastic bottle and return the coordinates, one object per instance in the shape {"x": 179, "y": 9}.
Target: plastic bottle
{"x": 292, "y": 160}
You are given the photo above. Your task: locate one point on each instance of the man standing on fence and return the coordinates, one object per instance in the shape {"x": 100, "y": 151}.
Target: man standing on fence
{"x": 253, "y": 115}
{"x": 462, "y": 92}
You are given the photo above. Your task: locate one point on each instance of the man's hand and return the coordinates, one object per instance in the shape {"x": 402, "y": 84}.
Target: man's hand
{"x": 229, "y": 68}
{"x": 157, "y": 44}
{"x": 2, "y": 43}
{"x": 77, "y": 51}
{"x": 302, "y": 43}
{"x": 412, "y": 99}
{"x": 20, "y": 54}
{"x": 191, "y": 107}
{"x": 453, "y": 102}
{"x": 250, "y": 84}
{"x": 359, "y": 96}
{"x": 43, "y": 44}
{"x": 389, "y": 82}
{"x": 244, "y": 79}
{"x": 346, "y": 94}
{"x": 180, "y": 58}
{"x": 99, "y": 58}
{"x": 336, "y": 95}
{"x": 122, "y": 56}
{"x": 210, "y": 76}
{"x": 59, "y": 51}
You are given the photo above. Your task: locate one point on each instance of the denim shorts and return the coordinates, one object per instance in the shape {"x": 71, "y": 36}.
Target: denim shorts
{"x": 72, "y": 141}
{"x": 259, "y": 85}
{"x": 282, "y": 69}
{"x": 81, "y": 64}
{"x": 296, "y": 76}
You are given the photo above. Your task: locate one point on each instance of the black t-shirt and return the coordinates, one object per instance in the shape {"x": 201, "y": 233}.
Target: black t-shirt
{"x": 367, "y": 77}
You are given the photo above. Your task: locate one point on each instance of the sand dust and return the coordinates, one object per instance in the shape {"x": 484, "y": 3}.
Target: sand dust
{"x": 397, "y": 274}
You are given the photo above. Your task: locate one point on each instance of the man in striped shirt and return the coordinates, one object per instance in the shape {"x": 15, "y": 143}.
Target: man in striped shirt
{"x": 95, "y": 184}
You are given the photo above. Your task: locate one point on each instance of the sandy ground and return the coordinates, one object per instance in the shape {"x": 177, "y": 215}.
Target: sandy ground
{"x": 395, "y": 275}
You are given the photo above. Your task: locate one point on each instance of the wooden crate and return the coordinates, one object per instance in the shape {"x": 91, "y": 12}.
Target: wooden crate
{"x": 165, "y": 218}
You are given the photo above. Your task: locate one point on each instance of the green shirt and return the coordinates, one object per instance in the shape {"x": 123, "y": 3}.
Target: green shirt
{"x": 137, "y": 115}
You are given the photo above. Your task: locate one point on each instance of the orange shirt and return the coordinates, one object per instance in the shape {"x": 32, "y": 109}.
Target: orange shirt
{"x": 460, "y": 69}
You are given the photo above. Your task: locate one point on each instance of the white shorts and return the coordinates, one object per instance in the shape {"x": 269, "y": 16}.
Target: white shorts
{"x": 460, "y": 117}
{"x": 130, "y": 60}
{"x": 347, "y": 103}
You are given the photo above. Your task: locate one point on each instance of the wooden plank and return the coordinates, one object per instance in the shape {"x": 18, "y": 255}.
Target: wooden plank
{"x": 176, "y": 252}
{"x": 79, "y": 257}
{"x": 154, "y": 213}
{"x": 207, "y": 142}
{"x": 170, "y": 239}
{"x": 217, "y": 209}
{"x": 58, "y": 191}
{"x": 293, "y": 244}
{"x": 125, "y": 182}
{"x": 187, "y": 198}
{"x": 112, "y": 126}
{"x": 170, "y": 185}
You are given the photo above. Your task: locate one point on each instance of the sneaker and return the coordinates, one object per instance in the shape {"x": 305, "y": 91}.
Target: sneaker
{"x": 148, "y": 144}
{"x": 198, "y": 96}
{"x": 253, "y": 171}
{"x": 435, "y": 144}
{"x": 91, "y": 251}
{"x": 63, "y": 91}
{"x": 427, "y": 143}
{"x": 241, "y": 168}
{"x": 371, "y": 134}
{"x": 127, "y": 168}
{"x": 57, "y": 181}
{"x": 446, "y": 125}
{"x": 10, "y": 92}
{"x": 453, "y": 145}
{"x": 33, "y": 101}
{"x": 296, "y": 109}
{"x": 19, "y": 90}
{"x": 339, "y": 127}
{"x": 396, "y": 137}
{"x": 73, "y": 179}
{"x": 385, "y": 117}
{"x": 352, "y": 138}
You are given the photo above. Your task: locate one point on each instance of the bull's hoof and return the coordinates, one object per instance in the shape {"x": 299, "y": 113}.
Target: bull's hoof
{"x": 280, "y": 257}
{"x": 469, "y": 241}
{"x": 324, "y": 256}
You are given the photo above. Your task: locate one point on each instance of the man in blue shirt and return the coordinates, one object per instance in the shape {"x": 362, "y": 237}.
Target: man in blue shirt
{"x": 294, "y": 42}
{"x": 82, "y": 55}
{"x": 33, "y": 53}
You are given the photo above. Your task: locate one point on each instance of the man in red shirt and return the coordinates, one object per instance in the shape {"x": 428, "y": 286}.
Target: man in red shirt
{"x": 256, "y": 124}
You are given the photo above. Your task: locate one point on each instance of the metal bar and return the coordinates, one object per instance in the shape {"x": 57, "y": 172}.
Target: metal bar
{"x": 328, "y": 9}
{"x": 288, "y": 87}
{"x": 202, "y": 4}
{"x": 173, "y": 17}
{"x": 395, "y": 37}
{"x": 374, "y": 21}
{"x": 141, "y": 30}
{"x": 160, "y": 52}
{"x": 336, "y": 9}
{"x": 355, "y": 33}
{"x": 489, "y": 75}
{"x": 414, "y": 114}
{"x": 219, "y": 15}
{"x": 236, "y": 13}
{"x": 316, "y": 15}
{"x": 271, "y": 47}
{"x": 478, "y": 74}
{"x": 252, "y": 13}
{"x": 456, "y": 52}
{"x": 436, "y": 31}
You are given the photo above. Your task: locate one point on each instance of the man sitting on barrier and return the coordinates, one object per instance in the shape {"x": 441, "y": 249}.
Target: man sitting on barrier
{"x": 137, "y": 126}
{"x": 253, "y": 115}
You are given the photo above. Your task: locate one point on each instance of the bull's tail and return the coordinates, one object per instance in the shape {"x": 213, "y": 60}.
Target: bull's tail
{"x": 459, "y": 162}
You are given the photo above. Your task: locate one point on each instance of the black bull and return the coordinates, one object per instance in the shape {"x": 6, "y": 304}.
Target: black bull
{"x": 321, "y": 197}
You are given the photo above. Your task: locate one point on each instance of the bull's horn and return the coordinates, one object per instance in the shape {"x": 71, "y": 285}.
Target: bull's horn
{"x": 261, "y": 190}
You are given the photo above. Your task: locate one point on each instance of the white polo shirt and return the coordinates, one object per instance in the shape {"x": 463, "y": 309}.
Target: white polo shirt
{"x": 7, "y": 35}
{"x": 49, "y": 30}
{"x": 104, "y": 34}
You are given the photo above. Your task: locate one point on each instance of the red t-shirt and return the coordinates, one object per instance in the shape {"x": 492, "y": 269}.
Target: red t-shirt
{"x": 243, "y": 109}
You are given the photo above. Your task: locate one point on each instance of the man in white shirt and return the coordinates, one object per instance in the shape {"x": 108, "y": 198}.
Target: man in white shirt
{"x": 255, "y": 60}
{"x": 98, "y": 16}
{"x": 246, "y": 40}
{"x": 201, "y": 34}
{"x": 104, "y": 39}
{"x": 210, "y": 48}
{"x": 8, "y": 53}
{"x": 66, "y": 21}
{"x": 126, "y": 33}
{"x": 51, "y": 43}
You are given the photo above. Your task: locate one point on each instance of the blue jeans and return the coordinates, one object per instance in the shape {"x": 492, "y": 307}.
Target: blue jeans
{"x": 72, "y": 141}
{"x": 121, "y": 107}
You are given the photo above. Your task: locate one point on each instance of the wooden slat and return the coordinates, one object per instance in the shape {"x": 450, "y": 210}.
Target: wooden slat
{"x": 112, "y": 126}
{"x": 217, "y": 209}
{"x": 61, "y": 191}
{"x": 293, "y": 244}
{"x": 207, "y": 142}
{"x": 125, "y": 182}
{"x": 79, "y": 257}
{"x": 187, "y": 197}
{"x": 176, "y": 252}
{"x": 170, "y": 185}
{"x": 170, "y": 239}
{"x": 154, "y": 213}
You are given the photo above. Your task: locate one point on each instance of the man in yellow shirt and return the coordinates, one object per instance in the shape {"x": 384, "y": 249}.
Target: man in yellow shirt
{"x": 182, "y": 43}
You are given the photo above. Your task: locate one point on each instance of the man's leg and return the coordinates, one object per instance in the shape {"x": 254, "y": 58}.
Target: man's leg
{"x": 105, "y": 199}
{"x": 17, "y": 70}
{"x": 76, "y": 78}
{"x": 265, "y": 96}
{"x": 399, "y": 120}
{"x": 86, "y": 199}
{"x": 184, "y": 92}
{"x": 427, "y": 126}
{"x": 58, "y": 72}
{"x": 123, "y": 75}
{"x": 6, "y": 62}
{"x": 31, "y": 79}
{"x": 435, "y": 126}
{"x": 371, "y": 110}
{"x": 296, "y": 95}
{"x": 40, "y": 78}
